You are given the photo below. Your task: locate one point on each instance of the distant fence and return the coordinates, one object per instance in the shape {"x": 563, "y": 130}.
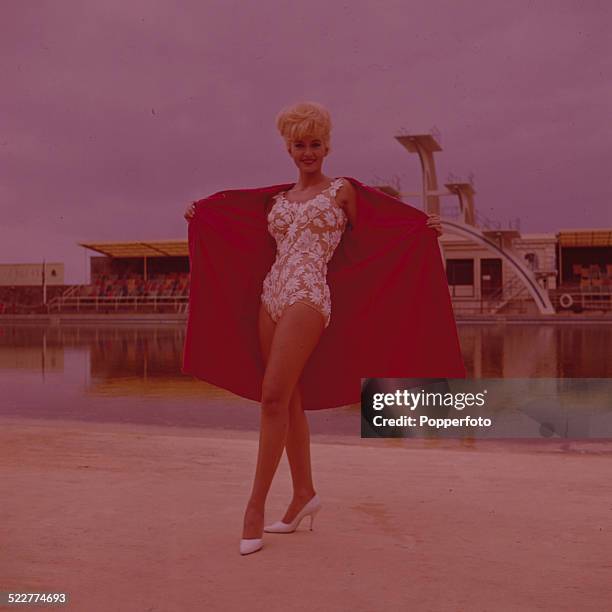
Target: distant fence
{"x": 576, "y": 300}
{"x": 564, "y": 301}
{"x": 127, "y": 303}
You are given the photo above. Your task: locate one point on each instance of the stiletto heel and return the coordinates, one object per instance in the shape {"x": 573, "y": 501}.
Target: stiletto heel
{"x": 310, "y": 509}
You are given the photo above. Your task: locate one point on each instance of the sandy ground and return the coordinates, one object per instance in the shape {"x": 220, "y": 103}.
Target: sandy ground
{"x": 148, "y": 518}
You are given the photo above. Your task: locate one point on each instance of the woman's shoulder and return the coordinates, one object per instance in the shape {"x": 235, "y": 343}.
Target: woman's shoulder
{"x": 346, "y": 190}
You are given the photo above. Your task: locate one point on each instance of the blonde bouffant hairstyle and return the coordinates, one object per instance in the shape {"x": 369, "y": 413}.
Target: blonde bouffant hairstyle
{"x": 304, "y": 119}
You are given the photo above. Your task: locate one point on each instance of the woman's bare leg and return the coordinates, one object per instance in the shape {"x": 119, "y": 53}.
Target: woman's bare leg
{"x": 298, "y": 453}
{"x": 298, "y": 432}
{"x": 295, "y": 336}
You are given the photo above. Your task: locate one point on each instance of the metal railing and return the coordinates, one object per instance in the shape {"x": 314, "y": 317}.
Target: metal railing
{"x": 513, "y": 294}
{"x": 124, "y": 303}
{"x": 487, "y": 308}
{"x": 564, "y": 300}
{"x": 511, "y": 297}
{"x": 574, "y": 299}
{"x": 453, "y": 210}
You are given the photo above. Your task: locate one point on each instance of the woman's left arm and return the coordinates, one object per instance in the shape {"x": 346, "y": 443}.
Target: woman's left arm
{"x": 347, "y": 198}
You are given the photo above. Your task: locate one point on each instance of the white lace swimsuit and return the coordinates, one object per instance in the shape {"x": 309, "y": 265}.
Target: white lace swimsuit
{"x": 307, "y": 234}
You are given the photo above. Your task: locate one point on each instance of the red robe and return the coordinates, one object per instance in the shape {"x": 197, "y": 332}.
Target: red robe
{"x": 391, "y": 313}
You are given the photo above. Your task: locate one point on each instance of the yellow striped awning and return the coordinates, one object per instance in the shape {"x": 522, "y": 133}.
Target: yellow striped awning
{"x": 585, "y": 238}
{"x": 149, "y": 248}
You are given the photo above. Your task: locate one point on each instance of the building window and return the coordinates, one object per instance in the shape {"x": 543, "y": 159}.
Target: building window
{"x": 460, "y": 271}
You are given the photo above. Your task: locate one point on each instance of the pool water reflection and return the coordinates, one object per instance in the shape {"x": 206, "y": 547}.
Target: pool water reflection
{"x": 132, "y": 373}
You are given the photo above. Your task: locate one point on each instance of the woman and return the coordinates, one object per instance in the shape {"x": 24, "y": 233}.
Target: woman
{"x": 308, "y": 222}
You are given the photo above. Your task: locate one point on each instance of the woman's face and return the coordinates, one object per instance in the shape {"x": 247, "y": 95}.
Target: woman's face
{"x": 308, "y": 154}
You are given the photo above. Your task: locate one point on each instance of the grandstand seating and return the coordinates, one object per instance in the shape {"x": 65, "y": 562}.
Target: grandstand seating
{"x": 167, "y": 292}
{"x": 594, "y": 278}
{"x": 174, "y": 284}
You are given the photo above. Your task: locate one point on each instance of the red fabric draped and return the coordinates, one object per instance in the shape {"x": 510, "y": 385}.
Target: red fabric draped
{"x": 391, "y": 313}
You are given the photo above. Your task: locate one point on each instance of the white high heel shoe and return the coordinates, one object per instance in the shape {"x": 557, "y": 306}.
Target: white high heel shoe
{"x": 310, "y": 509}
{"x": 250, "y": 545}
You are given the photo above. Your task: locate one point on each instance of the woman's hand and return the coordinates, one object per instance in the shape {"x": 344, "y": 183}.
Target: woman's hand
{"x": 190, "y": 212}
{"x": 434, "y": 222}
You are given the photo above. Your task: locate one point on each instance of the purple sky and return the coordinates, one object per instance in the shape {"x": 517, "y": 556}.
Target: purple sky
{"x": 115, "y": 114}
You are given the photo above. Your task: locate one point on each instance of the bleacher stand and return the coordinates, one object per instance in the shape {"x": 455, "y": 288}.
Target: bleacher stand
{"x": 166, "y": 285}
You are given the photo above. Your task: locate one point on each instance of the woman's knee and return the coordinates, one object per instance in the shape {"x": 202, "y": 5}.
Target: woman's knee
{"x": 274, "y": 400}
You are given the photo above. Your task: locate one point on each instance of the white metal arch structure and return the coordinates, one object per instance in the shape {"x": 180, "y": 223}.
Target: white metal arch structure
{"x": 539, "y": 294}
{"x": 425, "y": 145}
